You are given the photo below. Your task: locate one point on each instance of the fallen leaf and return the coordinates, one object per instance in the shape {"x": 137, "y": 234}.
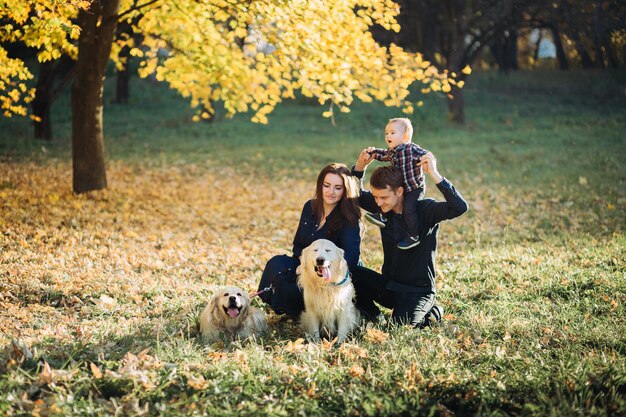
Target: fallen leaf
{"x": 106, "y": 303}
{"x": 356, "y": 371}
{"x": 376, "y": 336}
{"x": 97, "y": 373}
{"x": 353, "y": 351}
{"x": 197, "y": 383}
{"x": 328, "y": 344}
{"x": 311, "y": 391}
{"x": 295, "y": 346}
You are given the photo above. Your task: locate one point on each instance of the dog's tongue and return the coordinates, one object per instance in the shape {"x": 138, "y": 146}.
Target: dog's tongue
{"x": 233, "y": 312}
{"x": 326, "y": 272}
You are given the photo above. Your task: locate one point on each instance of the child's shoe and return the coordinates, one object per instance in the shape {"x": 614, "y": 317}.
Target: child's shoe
{"x": 408, "y": 243}
{"x": 376, "y": 218}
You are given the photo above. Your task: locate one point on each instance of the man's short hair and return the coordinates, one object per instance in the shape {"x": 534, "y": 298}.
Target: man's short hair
{"x": 386, "y": 176}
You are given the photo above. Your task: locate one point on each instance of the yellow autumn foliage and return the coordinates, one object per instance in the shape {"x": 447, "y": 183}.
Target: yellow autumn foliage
{"x": 46, "y": 26}
{"x": 247, "y": 55}
{"x": 254, "y": 56}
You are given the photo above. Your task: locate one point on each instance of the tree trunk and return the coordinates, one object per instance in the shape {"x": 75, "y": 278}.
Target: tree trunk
{"x": 52, "y": 78}
{"x": 585, "y": 58}
{"x": 610, "y": 53}
{"x": 574, "y": 34}
{"x": 94, "y": 48}
{"x": 537, "y": 46}
{"x": 122, "y": 82}
{"x": 510, "y": 51}
{"x": 122, "y": 85}
{"x": 42, "y": 101}
{"x": 41, "y": 109}
{"x": 456, "y": 106}
{"x": 497, "y": 50}
{"x": 598, "y": 30}
{"x": 504, "y": 50}
{"x": 560, "y": 52}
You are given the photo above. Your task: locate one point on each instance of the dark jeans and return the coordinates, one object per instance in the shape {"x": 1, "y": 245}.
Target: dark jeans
{"x": 415, "y": 308}
{"x": 285, "y": 296}
{"x": 409, "y": 213}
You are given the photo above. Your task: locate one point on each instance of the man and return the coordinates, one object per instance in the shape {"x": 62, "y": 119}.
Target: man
{"x": 407, "y": 282}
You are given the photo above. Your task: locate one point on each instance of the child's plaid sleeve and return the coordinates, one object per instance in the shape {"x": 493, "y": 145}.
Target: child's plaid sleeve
{"x": 417, "y": 152}
{"x": 380, "y": 154}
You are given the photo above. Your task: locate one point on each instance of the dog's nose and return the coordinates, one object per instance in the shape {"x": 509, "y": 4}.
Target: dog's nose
{"x": 232, "y": 298}
{"x": 320, "y": 260}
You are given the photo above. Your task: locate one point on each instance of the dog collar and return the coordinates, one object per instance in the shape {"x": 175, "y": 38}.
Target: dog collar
{"x": 343, "y": 281}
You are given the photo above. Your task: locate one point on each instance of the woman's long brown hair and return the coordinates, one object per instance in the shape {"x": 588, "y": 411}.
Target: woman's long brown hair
{"x": 347, "y": 210}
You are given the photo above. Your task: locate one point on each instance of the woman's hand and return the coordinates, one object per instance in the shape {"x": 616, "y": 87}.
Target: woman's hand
{"x": 365, "y": 158}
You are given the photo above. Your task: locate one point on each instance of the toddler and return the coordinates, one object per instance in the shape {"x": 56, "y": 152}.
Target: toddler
{"x": 404, "y": 155}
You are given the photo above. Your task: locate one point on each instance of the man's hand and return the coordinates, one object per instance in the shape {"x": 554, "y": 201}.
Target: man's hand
{"x": 428, "y": 162}
{"x": 365, "y": 158}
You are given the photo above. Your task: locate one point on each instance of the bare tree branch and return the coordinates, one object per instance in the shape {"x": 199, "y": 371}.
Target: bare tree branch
{"x": 136, "y": 8}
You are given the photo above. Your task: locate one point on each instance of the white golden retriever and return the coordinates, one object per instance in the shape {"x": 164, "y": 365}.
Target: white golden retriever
{"x": 230, "y": 316}
{"x": 328, "y": 291}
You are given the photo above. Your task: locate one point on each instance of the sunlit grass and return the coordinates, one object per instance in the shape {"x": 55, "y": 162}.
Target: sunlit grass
{"x": 105, "y": 288}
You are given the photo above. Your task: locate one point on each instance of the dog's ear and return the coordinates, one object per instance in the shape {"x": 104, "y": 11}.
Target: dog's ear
{"x": 245, "y": 311}
{"x": 215, "y": 300}
{"x": 302, "y": 259}
{"x": 343, "y": 264}
{"x": 215, "y": 304}
{"x": 246, "y": 303}
{"x": 303, "y": 254}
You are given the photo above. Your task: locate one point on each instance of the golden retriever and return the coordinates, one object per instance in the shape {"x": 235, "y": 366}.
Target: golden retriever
{"x": 229, "y": 315}
{"x": 328, "y": 291}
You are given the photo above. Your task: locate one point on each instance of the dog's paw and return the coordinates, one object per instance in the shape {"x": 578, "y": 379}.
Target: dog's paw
{"x": 313, "y": 338}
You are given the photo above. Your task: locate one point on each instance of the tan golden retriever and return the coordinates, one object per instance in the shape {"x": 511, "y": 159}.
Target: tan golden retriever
{"x": 328, "y": 292}
{"x": 230, "y": 316}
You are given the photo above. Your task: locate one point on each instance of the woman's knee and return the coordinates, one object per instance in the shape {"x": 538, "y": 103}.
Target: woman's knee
{"x": 279, "y": 279}
{"x": 278, "y": 263}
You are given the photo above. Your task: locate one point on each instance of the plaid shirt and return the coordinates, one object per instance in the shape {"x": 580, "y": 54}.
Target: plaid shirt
{"x": 405, "y": 157}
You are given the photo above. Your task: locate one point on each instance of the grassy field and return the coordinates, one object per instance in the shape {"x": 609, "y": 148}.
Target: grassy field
{"x": 100, "y": 293}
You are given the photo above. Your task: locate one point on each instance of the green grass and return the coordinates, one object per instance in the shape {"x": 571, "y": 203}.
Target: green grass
{"x": 525, "y": 125}
{"x": 533, "y": 277}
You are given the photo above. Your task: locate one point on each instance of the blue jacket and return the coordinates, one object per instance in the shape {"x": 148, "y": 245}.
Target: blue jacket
{"x": 348, "y": 238}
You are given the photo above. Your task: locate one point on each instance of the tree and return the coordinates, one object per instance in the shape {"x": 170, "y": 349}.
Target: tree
{"x": 126, "y": 40}
{"x": 504, "y": 50}
{"x": 45, "y": 26}
{"x": 53, "y": 76}
{"x": 593, "y": 28}
{"x": 249, "y": 55}
{"x": 252, "y": 55}
{"x": 97, "y": 26}
{"x": 453, "y": 33}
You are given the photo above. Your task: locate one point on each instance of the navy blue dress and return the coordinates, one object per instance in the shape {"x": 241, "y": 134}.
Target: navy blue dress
{"x": 280, "y": 271}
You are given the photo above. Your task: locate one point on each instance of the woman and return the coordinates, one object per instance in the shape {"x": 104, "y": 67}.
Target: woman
{"x": 333, "y": 214}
